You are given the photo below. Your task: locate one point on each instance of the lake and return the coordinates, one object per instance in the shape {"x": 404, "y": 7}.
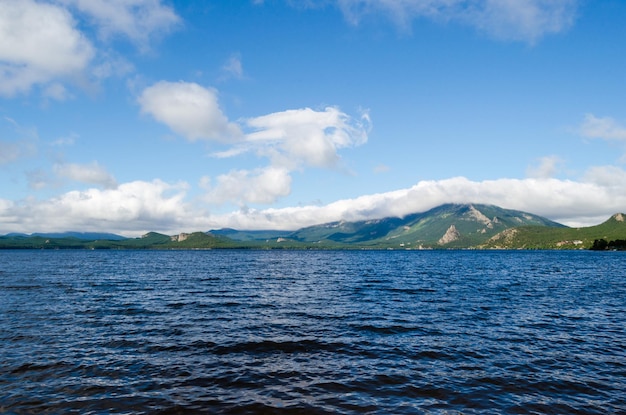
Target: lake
{"x": 312, "y": 332}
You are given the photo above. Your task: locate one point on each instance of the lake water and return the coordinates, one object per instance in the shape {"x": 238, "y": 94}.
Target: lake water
{"x": 348, "y": 332}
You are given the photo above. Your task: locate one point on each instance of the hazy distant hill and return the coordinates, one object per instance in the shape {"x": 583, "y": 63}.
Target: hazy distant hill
{"x": 88, "y": 236}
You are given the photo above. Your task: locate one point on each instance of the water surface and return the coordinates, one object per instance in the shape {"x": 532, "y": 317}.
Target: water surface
{"x": 451, "y": 332}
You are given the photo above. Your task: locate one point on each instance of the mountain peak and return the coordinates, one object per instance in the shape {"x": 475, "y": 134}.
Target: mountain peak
{"x": 451, "y": 235}
{"x": 477, "y": 215}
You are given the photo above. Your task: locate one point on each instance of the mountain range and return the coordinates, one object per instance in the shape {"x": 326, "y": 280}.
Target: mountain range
{"x": 449, "y": 226}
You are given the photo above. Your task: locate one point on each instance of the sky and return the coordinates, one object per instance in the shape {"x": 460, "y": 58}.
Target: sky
{"x": 129, "y": 116}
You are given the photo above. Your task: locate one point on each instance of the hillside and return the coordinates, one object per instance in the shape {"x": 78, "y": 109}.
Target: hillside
{"x": 450, "y": 226}
{"x": 446, "y": 226}
{"x": 151, "y": 240}
{"x": 535, "y": 237}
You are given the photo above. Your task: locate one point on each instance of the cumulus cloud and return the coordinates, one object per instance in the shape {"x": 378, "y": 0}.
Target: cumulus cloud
{"x": 92, "y": 173}
{"x": 242, "y": 186}
{"x": 525, "y": 20}
{"x": 609, "y": 177}
{"x": 189, "y": 110}
{"x": 42, "y": 44}
{"x": 290, "y": 140}
{"x": 131, "y": 208}
{"x": 138, "y": 20}
{"x": 39, "y": 43}
{"x": 305, "y": 136}
{"x": 136, "y": 207}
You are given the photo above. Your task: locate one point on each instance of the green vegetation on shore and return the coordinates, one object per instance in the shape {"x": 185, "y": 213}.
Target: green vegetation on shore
{"x": 451, "y": 226}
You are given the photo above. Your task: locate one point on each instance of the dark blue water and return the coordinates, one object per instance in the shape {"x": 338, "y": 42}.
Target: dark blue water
{"x": 177, "y": 332}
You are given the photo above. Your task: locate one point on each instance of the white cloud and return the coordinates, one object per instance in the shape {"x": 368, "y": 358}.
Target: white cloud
{"x": 606, "y": 128}
{"x": 138, "y": 20}
{"x": 131, "y": 208}
{"x": 526, "y": 20}
{"x": 92, "y": 173}
{"x": 582, "y": 203}
{"x": 39, "y": 43}
{"x": 291, "y": 139}
{"x": 189, "y": 110}
{"x": 306, "y": 137}
{"x": 547, "y": 167}
{"x": 609, "y": 177}
{"x": 136, "y": 207}
{"x": 243, "y": 186}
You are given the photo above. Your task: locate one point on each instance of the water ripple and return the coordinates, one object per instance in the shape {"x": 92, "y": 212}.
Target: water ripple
{"x": 245, "y": 332}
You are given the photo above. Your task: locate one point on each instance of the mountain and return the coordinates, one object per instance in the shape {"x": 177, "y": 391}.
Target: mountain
{"x": 151, "y": 240}
{"x": 242, "y": 236}
{"x": 527, "y": 237}
{"x": 446, "y": 226}
{"x": 88, "y": 236}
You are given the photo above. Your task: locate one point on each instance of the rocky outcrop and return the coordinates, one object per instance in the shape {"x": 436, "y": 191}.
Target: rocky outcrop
{"x": 451, "y": 235}
{"x": 180, "y": 237}
{"x": 503, "y": 239}
{"x": 478, "y": 216}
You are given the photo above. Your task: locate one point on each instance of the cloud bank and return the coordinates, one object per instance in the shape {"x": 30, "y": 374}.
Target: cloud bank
{"x": 137, "y": 207}
{"x": 573, "y": 203}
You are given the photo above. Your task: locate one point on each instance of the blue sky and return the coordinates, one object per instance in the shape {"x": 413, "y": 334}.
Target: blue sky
{"x": 130, "y": 116}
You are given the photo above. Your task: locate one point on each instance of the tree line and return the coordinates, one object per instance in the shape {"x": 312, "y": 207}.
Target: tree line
{"x": 603, "y": 245}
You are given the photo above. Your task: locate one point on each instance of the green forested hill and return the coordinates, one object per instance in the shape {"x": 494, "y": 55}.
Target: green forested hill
{"x": 536, "y": 237}
{"x": 151, "y": 240}
{"x": 450, "y": 226}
